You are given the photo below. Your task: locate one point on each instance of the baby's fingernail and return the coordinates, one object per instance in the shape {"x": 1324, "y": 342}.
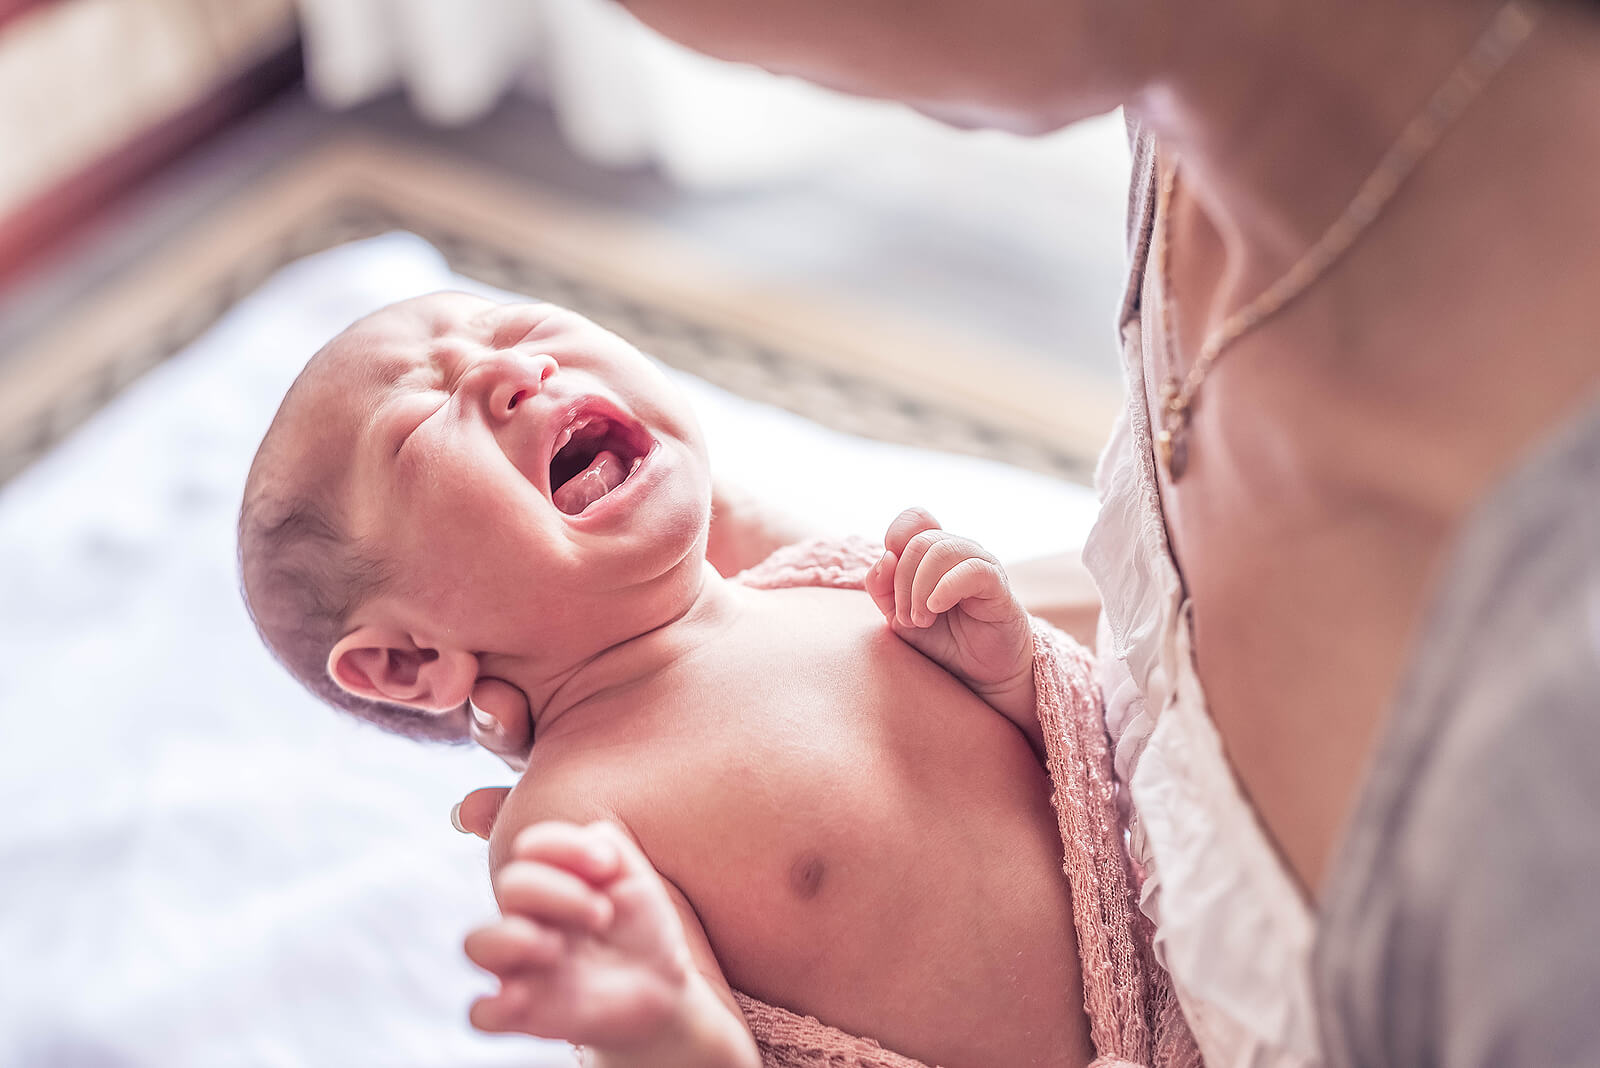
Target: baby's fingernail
{"x": 602, "y": 913}
{"x": 603, "y": 856}
{"x": 455, "y": 818}
{"x": 484, "y": 721}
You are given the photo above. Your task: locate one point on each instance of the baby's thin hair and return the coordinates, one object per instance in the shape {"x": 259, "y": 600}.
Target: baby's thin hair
{"x": 302, "y": 576}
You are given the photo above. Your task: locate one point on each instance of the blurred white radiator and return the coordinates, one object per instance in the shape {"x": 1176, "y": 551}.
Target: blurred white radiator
{"x": 624, "y": 95}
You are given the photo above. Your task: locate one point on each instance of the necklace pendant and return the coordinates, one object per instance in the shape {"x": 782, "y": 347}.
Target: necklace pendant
{"x": 1172, "y": 449}
{"x": 1178, "y": 455}
{"x": 1172, "y": 440}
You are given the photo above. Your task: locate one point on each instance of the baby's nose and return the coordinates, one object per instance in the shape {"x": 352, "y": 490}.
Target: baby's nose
{"x": 515, "y": 378}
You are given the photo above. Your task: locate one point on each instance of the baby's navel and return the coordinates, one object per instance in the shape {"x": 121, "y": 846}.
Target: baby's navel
{"x": 806, "y": 874}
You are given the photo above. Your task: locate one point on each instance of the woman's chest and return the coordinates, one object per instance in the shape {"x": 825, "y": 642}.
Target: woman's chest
{"x": 1299, "y": 632}
{"x": 1213, "y": 743}
{"x": 1299, "y": 595}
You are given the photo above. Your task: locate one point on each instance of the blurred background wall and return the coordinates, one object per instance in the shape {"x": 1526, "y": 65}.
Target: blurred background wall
{"x": 126, "y": 120}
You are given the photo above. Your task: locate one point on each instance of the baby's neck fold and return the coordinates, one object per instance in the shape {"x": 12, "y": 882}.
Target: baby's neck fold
{"x": 628, "y": 663}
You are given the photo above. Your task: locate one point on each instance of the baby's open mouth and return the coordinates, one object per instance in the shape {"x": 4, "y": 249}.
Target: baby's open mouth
{"x": 594, "y": 455}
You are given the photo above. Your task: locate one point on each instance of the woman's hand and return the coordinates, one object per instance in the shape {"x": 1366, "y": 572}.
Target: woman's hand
{"x": 476, "y": 813}
{"x": 501, "y": 721}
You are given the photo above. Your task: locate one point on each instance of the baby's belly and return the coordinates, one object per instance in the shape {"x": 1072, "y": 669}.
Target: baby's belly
{"x": 883, "y": 855}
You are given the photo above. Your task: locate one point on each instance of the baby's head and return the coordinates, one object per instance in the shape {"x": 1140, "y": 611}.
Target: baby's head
{"x": 455, "y": 489}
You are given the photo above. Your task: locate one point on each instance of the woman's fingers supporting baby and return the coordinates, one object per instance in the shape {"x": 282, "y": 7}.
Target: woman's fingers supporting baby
{"x": 476, "y": 813}
{"x": 500, "y": 721}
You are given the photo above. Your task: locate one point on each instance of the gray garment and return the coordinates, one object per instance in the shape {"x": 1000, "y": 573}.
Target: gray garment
{"x": 1461, "y": 923}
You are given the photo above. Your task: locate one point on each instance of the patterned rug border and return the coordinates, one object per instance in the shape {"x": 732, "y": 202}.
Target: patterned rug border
{"x": 322, "y": 202}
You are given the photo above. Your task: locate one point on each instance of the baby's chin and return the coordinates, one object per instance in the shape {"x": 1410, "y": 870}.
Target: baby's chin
{"x": 667, "y": 520}
{"x": 674, "y": 543}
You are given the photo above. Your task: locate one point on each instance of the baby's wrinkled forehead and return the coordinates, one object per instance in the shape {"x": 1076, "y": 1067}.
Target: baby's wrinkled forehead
{"x": 423, "y": 334}
{"x": 347, "y": 381}
{"x": 388, "y": 343}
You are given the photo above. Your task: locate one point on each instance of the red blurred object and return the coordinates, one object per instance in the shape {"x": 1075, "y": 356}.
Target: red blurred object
{"x": 9, "y": 9}
{"x": 50, "y": 218}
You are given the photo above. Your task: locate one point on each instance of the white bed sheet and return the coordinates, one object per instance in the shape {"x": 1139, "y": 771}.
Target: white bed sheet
{"x": 200, "y": 865}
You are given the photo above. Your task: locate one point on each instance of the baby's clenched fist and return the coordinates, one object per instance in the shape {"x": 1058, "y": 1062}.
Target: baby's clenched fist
{"x": 949, "y": 598}
{"x": 590, "y": 948}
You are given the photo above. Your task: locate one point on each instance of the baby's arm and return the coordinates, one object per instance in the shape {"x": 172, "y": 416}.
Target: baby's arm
{"x": 950, "y": 600}
{"x": 745, "y": 530}
{"x": 595, "y": 948}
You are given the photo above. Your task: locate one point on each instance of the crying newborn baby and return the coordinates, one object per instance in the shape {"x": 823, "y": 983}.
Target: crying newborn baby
{"x": 762, "y": 814}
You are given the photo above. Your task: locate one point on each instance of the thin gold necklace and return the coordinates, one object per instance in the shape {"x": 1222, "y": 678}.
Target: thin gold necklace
{"x": 1510, "y": 27}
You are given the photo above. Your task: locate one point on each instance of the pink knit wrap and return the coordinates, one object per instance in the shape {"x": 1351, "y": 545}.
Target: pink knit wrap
{"x": 1134, "y": 1020}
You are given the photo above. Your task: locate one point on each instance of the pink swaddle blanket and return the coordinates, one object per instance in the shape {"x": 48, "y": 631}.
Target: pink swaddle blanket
{"x": 1134, "y": 1020}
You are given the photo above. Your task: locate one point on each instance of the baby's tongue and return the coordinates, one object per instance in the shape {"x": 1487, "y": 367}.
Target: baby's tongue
{"x": 604, "y": 474}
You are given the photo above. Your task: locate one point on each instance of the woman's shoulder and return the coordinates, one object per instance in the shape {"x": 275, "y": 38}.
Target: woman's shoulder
{"x": 1473, "y": 852}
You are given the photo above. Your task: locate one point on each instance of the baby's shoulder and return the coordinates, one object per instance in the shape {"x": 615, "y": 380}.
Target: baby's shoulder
{"x": 566, "y": 786}
{"x": 572, "y": 783}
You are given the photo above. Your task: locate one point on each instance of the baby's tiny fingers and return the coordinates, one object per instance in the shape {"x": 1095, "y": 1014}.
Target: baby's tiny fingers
{"x": 879, "y": 583}
{"x": 972, "y": 577}
{"x": 513, "y": 1008}
{"x": 908, "y": 574}
{"x": 551, "y": 896}
{"x": 580, "y": 850}
{"x": 945, "y": 555}
{"x": 514, "y": 944}
{"x": 907, "y": 525}
{"x": 630, "y": 858}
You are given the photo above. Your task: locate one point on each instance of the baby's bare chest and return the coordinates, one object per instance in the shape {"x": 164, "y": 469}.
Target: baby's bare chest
{"x": 846, "y": 814}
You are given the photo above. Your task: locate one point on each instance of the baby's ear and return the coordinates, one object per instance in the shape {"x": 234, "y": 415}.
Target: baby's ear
{"x": 385, "y": 664}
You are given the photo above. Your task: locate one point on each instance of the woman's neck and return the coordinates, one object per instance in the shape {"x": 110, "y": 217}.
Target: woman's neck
{"x": 1477, "y": 277}
{"x": 1277, "y": 130}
